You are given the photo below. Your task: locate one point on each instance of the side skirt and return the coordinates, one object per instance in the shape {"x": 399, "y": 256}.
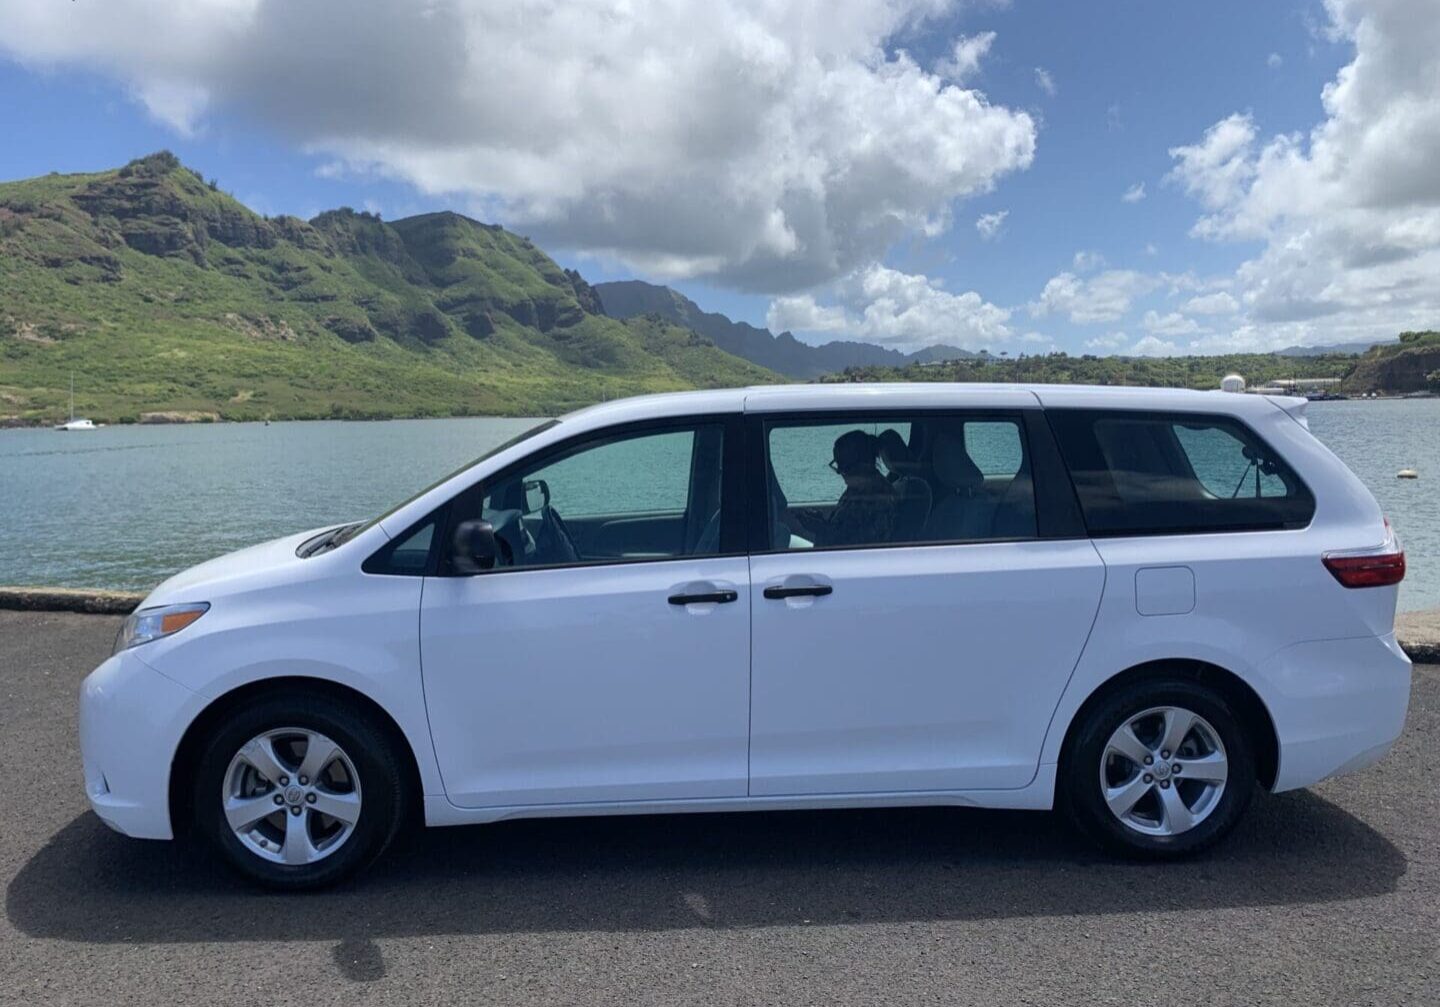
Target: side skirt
{"x": 1039, "y": 795}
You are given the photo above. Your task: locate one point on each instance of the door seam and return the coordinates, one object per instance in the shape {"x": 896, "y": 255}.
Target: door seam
{"x": 750, "y": 676}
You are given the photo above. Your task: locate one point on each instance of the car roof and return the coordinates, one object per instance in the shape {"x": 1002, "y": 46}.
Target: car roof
{"x": 919, "y": 395}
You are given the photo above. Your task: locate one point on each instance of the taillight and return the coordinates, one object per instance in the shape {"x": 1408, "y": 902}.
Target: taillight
{"x": 1367, "y": 571}
{"x": 1369, "y": 567}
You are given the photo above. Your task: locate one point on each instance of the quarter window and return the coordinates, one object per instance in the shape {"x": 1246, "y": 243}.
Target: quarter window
{"x": 408, "y": 555}
{"x": 1149, "y": 473}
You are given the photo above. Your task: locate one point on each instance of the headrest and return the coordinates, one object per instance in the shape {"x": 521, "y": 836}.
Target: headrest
{"x": 892, "y": 447}
{"x": 953, "y": 465}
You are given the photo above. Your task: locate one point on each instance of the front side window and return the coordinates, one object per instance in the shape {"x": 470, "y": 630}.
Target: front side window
{"x": 896, "y": 481}
{"x": 648, "y": 495}
{"x": 1150, "y": 473}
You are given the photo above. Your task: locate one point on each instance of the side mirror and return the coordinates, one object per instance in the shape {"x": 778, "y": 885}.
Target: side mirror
{"x": 475, "y": 547}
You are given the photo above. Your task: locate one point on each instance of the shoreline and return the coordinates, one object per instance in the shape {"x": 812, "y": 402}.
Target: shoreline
{"x": 1418, "y": 632}
{"x": 166, "y": 418}
{"x": 222, "y": 422}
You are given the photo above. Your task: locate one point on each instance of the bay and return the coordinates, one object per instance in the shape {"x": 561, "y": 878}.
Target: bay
{"x": 124, "y": 507}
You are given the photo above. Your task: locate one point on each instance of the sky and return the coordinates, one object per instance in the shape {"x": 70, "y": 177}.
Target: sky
{"x": 1111, "y": 176}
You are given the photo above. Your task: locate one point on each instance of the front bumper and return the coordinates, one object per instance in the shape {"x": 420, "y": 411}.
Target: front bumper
{"x": 131, "y": 719}
{"x": 1338, "y": 705}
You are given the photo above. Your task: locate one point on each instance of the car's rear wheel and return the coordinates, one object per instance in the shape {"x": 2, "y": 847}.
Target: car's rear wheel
{"x": 300, "y": 790}
{"x": 1158, "y": 768}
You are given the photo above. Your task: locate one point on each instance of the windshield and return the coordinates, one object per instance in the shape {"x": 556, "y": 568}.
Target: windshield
{"x": 350, "y": 531}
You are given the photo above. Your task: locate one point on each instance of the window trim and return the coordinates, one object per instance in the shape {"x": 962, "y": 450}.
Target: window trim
{"x": 1220, "y": 419}
{"x": 1061, "y": 515}
{"x": 732, "y": 498}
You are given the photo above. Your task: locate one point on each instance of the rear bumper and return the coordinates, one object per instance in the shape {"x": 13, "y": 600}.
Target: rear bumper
{"x": 128, "y": 736}
{"x": 1337, "y": 705}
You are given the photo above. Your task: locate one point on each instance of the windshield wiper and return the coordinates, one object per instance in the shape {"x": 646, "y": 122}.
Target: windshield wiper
{"x": 328, "y": 540}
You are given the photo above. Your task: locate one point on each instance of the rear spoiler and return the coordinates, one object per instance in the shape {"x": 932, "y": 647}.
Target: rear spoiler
{"x": 1294, "y": 406}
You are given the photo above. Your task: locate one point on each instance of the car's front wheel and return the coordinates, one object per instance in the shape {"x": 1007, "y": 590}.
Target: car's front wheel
{"x": 297, "y": 791}
{"x": 1158, "y": 768}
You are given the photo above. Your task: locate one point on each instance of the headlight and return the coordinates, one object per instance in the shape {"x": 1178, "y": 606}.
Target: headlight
{"x": 153, "y": 623}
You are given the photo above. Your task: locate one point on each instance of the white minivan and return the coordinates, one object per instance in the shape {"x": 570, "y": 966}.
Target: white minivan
{"x": 1135, "y": 604}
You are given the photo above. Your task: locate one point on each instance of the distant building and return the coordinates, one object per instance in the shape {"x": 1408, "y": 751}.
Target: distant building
{"x": 1300, "y": 384}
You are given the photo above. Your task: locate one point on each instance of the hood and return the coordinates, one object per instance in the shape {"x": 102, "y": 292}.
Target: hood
{"x": 225, "y": 573}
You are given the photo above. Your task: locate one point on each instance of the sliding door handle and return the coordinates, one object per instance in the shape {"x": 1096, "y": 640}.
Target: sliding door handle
{"x": 716, "y": 597}
{"x": 799, "y": 591}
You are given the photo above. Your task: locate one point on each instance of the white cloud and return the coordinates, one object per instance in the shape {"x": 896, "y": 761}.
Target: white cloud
{"x": 1109, "y": 342}
{"x": 990, "y": 224}
{"x": 1274, "y": 61}
{"x": 1087, "y": 261}
{"x": 902, "y": 310}
{"x": 1103, "y": 298}
{"x": 963, "y": 62}
{"x": 1134, "y": 194}
{"x": 1348, "y": 212}
{"x": 774, "y": 147}
{"x": 802, "y": 313}
{"x": 1151, "y": 248}
{"x": 1218, "y": 303}
{"x": 1045, "y": 81}
{"x": 1218, "y": 169}
{"x": 1153, "y": 346}
{"x": 1172, "y": 324}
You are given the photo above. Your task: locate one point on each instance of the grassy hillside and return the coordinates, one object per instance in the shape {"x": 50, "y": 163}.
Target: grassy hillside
{"x": 161, "y": 293}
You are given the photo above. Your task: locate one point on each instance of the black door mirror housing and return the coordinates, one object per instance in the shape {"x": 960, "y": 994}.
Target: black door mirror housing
{"x": 475, "y": 547}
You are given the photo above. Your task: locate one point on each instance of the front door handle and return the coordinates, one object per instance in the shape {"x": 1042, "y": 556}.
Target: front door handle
{"x": 714, "y": 597}
{"x": 799, "y": 591}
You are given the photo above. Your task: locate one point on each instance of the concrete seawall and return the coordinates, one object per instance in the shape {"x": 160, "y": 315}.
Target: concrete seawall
{"x": 68, "y": 599}
{"x": 1419, "y": 632}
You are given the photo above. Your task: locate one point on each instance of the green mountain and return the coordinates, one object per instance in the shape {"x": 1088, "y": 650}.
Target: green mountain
{"x": 783, "y": 353}
{"x": 162, "y": 294}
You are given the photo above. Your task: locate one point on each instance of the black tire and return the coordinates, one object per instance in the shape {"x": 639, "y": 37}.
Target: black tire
{"x": 1079, "y": 789}
{"x": 381, "y": 773}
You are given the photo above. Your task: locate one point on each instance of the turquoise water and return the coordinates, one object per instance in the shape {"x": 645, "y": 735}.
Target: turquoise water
{"x": 125, "y": 507}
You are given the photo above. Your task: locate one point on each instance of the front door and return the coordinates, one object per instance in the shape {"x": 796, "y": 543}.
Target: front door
{"x": 915, "y": 615}
{"x": 606, "y": 657}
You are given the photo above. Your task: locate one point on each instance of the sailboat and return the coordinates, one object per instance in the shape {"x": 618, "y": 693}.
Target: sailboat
{"x": 74, "y": 424}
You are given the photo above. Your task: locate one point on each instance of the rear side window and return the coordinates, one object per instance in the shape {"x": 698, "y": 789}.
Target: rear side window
{"x": 1173, "y": 473}
{"x": 897, "y": 480}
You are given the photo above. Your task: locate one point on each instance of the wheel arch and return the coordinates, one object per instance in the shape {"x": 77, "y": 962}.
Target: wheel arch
{"x": 1244, "y": 700}
{"x": 184, "y": 762}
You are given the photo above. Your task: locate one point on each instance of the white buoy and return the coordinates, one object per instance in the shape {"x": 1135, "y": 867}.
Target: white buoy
{"x": 1407, "y": 474}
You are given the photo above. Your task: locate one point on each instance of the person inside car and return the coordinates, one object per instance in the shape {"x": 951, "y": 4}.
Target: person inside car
{"x": 866, "y": 512}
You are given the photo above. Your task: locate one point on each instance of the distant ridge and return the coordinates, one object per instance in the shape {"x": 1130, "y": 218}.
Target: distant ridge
{"x": 783, "y": 353}
{"x": 1352, "y": 349}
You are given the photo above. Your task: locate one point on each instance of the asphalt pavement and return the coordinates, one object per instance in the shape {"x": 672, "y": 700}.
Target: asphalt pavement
{"x": 1330, "y": 895}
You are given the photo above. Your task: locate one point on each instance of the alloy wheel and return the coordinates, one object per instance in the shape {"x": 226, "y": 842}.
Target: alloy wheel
{"x": 291, "y": 796}
{"x": 1163, "y": 771}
